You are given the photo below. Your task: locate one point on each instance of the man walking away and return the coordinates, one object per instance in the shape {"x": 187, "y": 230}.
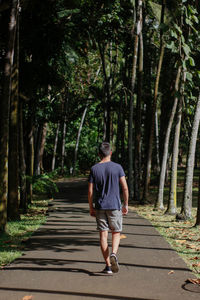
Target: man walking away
{"x": 105, "y": 179}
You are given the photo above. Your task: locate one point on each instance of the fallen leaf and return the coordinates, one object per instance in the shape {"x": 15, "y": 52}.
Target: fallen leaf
{"x": 195, "y": 258}
{"x": 191, "y": 246}
{"x": 27, "y": 297}
{"x": 171, "y": 272}
{"x": 181, "y": 241}
{"x": 196, "y": 265}
{"x": 123, "y": 236}
{"x": 194, "y": 281}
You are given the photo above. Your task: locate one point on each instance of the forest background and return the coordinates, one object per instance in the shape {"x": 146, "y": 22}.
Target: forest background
{"x": 74, "y": 73}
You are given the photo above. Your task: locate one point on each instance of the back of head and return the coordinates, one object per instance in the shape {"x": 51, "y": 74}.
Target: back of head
{"x": 104, "y": 149}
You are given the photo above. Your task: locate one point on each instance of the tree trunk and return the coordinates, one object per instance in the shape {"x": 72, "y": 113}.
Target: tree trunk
{"x": 173, "y": 185}
{"x": 4, "y": 115}
{"x": 150, "y": 147}
{"x": 198, "y": 207}
{"x": 42, "y": 145}
{"x": 130, "y": 124}
{"x": 55, "y": 147}
{"x": 187, "y": 198}
{"x": 30, "y": 150}
{"x": 39, "y": 149}
{"x": 63, "y": 144}
{"x": 13, "y": 162}
{"x": 123, "y": 130}
{"x": 119, "y": 131}
{"x": 137, "y": 158}
{"x": 106, "y": 136}
{"x": 172, "y": 202}
{"x": 30, "y": 162}
{"x": 157, "y": 144}
{"x": 38, "y": 138}
{"x": 78, "y": 139}
{"x": 22, "y": 163}
{"x": 159, "y": 203}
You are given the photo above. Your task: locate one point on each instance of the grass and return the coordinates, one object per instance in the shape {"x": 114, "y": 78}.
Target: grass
{"x": 17, "y": 232}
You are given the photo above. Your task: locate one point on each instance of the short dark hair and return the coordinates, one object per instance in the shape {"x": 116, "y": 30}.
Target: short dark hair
{"x": 104, "y": 149}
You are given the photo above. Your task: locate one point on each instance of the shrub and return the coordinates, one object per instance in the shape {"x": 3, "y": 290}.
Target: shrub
{"x": 43, "y": 185}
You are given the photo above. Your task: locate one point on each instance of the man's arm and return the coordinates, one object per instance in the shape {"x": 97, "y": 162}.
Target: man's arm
{"x": 125, "y": 194}
{"x": 90, "y": 199}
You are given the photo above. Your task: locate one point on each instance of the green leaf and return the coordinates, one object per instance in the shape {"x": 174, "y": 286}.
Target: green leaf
{"x": 156, "y": 9}
{"x": 188, "y": 22}
{"x": 133, "y": 3}
{"x": 191, "y": 60}
{"x": 178, "y": 28}
{"x": 186, "y": 49}
{"x": 68, "y": 12}
{"x": 189, "y": 76}
{"x": 174, "y": 34}
{"x": 182, "y": 39}
{"x": 172, "y": 46}
{"x": 196, "y": 20}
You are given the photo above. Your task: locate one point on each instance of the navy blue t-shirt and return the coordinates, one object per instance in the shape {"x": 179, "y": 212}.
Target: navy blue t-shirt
{"x": 105, "y": 177}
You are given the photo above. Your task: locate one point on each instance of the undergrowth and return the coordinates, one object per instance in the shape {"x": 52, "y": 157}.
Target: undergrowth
{"x": 12, "y": 241}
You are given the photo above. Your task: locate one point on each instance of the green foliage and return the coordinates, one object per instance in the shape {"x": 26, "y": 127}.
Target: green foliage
{"x": 17, "y": 232}
{"x": 43, "y": 185}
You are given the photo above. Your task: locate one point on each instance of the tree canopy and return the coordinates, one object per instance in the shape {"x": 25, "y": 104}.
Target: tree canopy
{"x": 75, "y": 73}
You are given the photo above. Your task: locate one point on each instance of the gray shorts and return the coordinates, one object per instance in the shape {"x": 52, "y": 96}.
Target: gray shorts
{"x": 109, "y": 219}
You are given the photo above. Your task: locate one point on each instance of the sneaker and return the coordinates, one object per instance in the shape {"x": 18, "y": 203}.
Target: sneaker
{"x": 107, "y": 270}
{"x": 114, "y": 263}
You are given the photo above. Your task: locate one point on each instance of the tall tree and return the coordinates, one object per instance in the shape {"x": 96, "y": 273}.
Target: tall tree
{"x": 173, "y": 182}
{"x": 154, "y": 107}
{"x": 198, "y": 207}
{"x": 5, "y": 113}
{"x": 159, "y": 202}
{"x": 187, "y": 198}
{"x": 22, "y": 162}
{"x": 106, "y": 137}
{"x": 78, "y": 138}
{"x": 13, "y": 162}
{"x": 55, "y": 147}
{"x": 137, "y": 28}
{"x": 137, "y": 156}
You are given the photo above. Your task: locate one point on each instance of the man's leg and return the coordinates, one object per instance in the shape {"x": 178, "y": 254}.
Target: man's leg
{"x": 104, "y": 246}
{"x": 115, "y": 241}
{"x": 115, "y": 246}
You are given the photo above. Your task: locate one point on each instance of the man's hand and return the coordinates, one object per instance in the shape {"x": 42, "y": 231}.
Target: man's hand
{"x": 92, "y": 212}
{"x": 124, "y": 210}
{"x": 125, "y": 195}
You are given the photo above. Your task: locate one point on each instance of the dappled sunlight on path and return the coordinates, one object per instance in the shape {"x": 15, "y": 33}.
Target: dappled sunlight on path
{"x": 63, "y": 260}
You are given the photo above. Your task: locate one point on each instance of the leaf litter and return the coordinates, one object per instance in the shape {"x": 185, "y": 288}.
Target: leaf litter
{"x": 182, "y": 236}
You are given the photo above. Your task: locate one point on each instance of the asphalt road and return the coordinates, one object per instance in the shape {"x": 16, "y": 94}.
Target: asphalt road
{"x": 63, "y": 260}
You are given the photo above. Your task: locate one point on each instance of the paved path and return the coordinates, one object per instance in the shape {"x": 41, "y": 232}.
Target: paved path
{"x": 63, "y": 260}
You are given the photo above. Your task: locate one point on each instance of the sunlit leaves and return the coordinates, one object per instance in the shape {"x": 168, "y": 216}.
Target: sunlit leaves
{"x": 191, "y": 60}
